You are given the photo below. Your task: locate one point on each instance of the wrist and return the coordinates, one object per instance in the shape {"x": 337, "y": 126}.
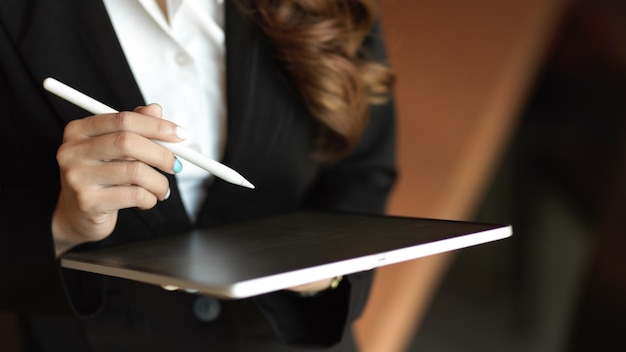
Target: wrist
{"x": 62, "y": 234}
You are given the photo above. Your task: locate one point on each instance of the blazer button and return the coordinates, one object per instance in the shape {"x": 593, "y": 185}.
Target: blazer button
{"x": 206, "y": 308}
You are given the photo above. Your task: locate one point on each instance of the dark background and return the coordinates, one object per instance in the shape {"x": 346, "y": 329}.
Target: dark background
{"x": 560, "y": 283}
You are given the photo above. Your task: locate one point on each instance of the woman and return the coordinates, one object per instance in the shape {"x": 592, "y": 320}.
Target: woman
{"x": 292, "y": 116}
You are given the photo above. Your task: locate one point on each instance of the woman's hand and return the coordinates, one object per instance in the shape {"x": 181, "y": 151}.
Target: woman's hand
{"x": 311, "y": 289}
{"x": 107, "y": 163}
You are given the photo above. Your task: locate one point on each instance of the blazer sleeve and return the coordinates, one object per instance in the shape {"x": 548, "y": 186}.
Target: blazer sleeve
{"x": 360, "y": 183}
{"x": 30, "y": 276}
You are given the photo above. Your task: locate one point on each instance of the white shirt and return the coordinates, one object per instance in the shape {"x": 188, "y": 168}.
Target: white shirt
{"x": 178, "y": 62}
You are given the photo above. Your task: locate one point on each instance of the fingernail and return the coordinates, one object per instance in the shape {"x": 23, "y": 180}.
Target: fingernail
{"x": 178, "y": 166}
{"x": 167, "y": 195}
{"x": 181, "y": 133}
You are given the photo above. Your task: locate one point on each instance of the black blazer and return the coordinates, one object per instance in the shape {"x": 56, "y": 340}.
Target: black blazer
{"x": 269, "y": 140}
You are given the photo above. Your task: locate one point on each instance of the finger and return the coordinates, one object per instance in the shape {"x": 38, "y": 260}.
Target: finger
{"x": 130, "y": 196}
{"x": 118, "y": 146}
{"x": 118, "y": 173}
{"x": 126, "y": 121}
{"x": 91, "y": 185}
{"x": 110, "y": 199}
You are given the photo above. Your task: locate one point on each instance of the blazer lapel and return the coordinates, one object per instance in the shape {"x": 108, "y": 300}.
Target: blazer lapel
{"x": 73, "y": 41}
{"x": 267, "y": 127}
{"x": 242, "y": 53}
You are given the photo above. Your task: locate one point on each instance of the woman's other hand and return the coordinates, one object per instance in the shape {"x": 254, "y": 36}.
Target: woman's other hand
{"x": 313, "y": 288}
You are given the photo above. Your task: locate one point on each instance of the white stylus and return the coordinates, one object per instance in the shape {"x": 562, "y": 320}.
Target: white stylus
{"x": 95, "y": 107}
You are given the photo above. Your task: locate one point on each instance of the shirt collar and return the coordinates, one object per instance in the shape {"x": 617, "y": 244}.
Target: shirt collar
{"x": 152, "y": 8}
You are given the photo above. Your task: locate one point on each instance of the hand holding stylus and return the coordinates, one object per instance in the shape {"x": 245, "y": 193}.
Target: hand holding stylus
{"x": 109, "y": 162}
{"x": 95, "y": 107}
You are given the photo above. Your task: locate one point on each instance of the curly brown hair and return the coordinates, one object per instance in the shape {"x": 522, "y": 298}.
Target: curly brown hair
{"x": 320, "y": 45}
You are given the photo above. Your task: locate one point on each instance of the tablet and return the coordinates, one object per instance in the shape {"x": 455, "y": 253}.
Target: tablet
{"x": 268, "y": 254}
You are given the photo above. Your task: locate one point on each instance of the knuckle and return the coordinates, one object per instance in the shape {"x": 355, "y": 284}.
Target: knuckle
{"x": 61, "y": 155}
{"x": 142, "y": 198}
{"x": 84, "y": 202}
{"x": 164, "y": 128}
{"x": 134, "y": 169}
{"x": 136, "y": 194}
{"x": 71, "y": 128}
{"x": 71, "y": 176}
{"x": 123, "y": 120}
{"x": 123, "y": 140}
{"x": 167, "y": 158}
